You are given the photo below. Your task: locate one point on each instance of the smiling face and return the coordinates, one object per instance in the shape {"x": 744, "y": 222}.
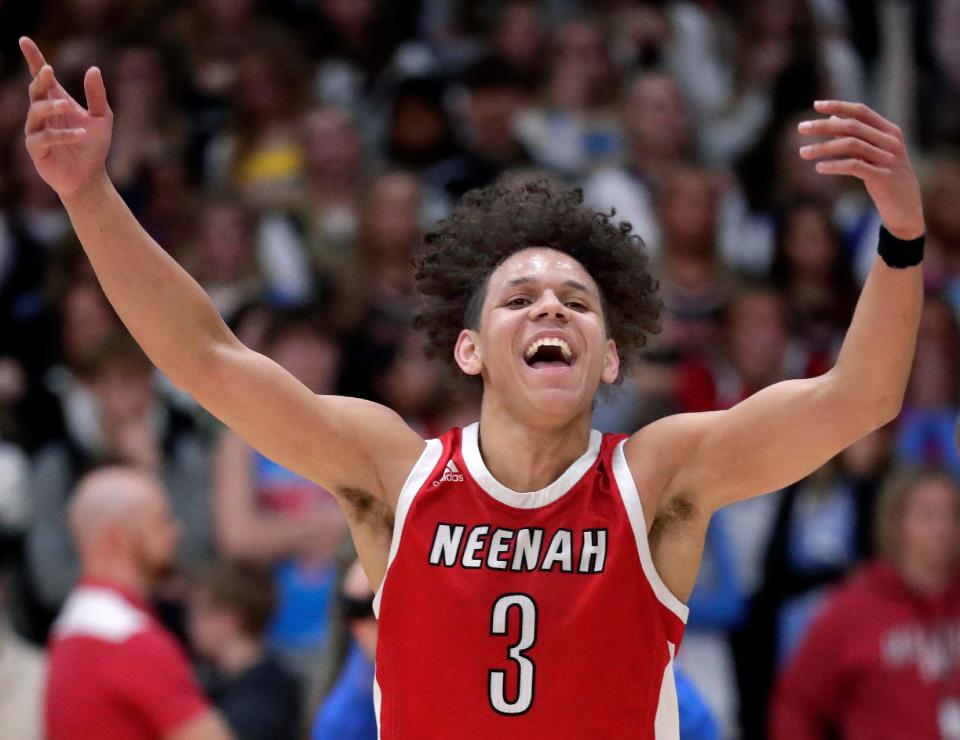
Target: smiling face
{"x": 541, "y": 346}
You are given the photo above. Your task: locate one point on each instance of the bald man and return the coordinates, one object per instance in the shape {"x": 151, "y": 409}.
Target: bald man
{"x": 114, "y": 671}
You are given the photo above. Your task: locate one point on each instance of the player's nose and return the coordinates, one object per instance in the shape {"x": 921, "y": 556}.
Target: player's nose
{"x": 550, "y": 305}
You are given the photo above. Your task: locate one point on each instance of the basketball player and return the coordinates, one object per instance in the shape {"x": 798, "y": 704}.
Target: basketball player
{"x": 531, "y": 573}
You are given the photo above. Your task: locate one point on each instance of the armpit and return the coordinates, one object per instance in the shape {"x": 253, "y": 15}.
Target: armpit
{"x": 361, "y": 507}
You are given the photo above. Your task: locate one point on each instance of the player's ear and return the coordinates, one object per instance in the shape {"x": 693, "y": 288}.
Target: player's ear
{"x": 467, "y": 352}
{"x": 611, "y": 363}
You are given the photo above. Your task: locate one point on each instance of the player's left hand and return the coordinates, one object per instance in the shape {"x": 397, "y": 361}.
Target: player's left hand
{"x": 866, "y": 145}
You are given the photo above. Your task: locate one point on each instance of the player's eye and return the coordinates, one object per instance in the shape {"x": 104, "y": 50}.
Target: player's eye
{"x": 576, "y": 305}
{"x": 518, "y": 302}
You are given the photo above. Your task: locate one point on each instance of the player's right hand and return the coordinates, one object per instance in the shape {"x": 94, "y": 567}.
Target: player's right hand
{"x": 67, "y": 142}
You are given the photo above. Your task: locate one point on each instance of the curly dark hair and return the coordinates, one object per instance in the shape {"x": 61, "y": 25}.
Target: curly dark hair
{"x": 459, "y": 254}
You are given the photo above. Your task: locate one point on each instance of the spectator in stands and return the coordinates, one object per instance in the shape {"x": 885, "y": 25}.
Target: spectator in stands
{"x": 881, "y": 659}
{"x": 576, "y": 129}
{"x": 333, "y": 188}
{"x": 22, "y": 675}
{"x": 813, "y": 273}
{"x": 419, "y": 129}
{"x": 150, "y": 125}
{"x": 133, "y": 424}
{"x": 230, "y": 606}
{"x": 224, "y": 259}
{"x": 269, "y": 515}
{"x": 942, "y": 271}
{"x": 658, "y": 133}
{"x": 925, "y": 430}
{"x": 755, "y": 354}
{"x": 490, "y": 109}
{"x": 518, "y": 39}
{"x": 821, "y": 529}
{"x": 347, "y": 713}
{"x": 694, "y": 281}
{"x": 114, "y": 671}
{"x": 260, "y": 154}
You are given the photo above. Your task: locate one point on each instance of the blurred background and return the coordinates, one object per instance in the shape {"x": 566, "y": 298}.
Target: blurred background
{"x": 289, "y": 154}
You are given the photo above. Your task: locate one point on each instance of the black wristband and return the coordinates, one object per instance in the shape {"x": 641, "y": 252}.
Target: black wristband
{"x": 900, "y": 252}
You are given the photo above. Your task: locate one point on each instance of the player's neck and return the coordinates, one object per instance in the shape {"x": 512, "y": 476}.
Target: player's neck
{"x": 525, "y": 458}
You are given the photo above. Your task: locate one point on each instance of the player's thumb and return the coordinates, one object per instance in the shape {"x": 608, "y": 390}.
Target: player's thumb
{"x": 96, "y": 92}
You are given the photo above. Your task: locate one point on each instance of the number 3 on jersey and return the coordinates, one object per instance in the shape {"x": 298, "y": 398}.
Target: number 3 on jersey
{"x": 515, "y": 652}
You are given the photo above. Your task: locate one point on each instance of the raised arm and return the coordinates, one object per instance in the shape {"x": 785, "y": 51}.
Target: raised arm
{"x": 787, "y": 430}
{"x": 338, "y": 442}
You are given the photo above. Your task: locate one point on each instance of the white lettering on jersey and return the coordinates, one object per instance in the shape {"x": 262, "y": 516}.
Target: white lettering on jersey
{"x": 446, "y": 542}
{"x": 527, "y": 550}
{"x": 593, "y": 552}
{"x": 560, "y": 551}
{"x": 499, "y": 543}
{"x": 520, "y": 550}
{"x": 475, "y": 542}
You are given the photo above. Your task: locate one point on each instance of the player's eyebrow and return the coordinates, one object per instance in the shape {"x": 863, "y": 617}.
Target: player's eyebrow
{"x": 527, "y": 279}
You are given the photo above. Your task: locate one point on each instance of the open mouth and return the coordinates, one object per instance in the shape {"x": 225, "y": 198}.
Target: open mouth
{"x": 549, "y": 352}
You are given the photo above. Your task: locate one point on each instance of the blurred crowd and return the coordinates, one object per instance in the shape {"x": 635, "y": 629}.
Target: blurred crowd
{"x": 289, "y": 154}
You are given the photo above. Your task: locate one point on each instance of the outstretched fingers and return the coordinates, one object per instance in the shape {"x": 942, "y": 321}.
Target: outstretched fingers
{"x": 849, "y": 146}
{"x": 96, "y": 92}
{"x": 859, "y": 112}
{"x": 31, "y": 53}
{"x": 41, "y": 142}
{"x": 859, "y": 141}
{"x": 43, "y": 84}
{"x": 41, "y": 111}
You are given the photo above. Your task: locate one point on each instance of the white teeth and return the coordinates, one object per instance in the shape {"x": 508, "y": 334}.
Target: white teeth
{"x": 549, "y": 342}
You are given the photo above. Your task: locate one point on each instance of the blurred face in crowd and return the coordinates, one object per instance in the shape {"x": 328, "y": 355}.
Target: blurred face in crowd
{"x": 392, "y": 216}
{"x": 157, "y": 536}
{"x": 121, "y": 518}
{"x": 140, "y": 80}
{"x": 657, "y": 122}
{"x": 410, "y": 382}
{"x": 942, "y": 214}
{"x": 540, "y": 293}
{"x": 518, "y": 36}
{"x": 810, "y": 243}
{"x": 226, "y": 15}
{"x": 263, "y": 95}
{"x": 491, "y": 113}
{"x": 312, "y": 359}
{"x": 933, "y": 382}
{"x": 757, "y": 336}
{"x": 581, "y": 70}
{"x": 124, "y": 391}
{"x": 331, "y": 144}
{"x": 85, "y": 318}
{"x": 209, "y": 624}
{"x": 688, "y": 210}
{"x": 796, "y": 177}
{"x": 930, "y": 525}
{"x": 418, "y": 126}
{"x": 350, "y": 18}
{"x": 225, "y": 248}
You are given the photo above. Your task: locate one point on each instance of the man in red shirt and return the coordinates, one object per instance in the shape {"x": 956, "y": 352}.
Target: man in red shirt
{"x": 115, "y": 672}
{"x": 883, "y": 659}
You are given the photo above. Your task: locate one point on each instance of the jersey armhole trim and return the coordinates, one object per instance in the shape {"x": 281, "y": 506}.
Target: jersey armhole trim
{"x": 418, "y": 476}
{"x": 634, "y": 507}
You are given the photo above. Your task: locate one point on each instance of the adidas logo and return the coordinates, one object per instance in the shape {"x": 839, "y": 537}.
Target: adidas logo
{"x": 451, "y": 474}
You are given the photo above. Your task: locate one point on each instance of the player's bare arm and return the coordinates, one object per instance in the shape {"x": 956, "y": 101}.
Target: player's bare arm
{"x": 358, "y": 450}
{"x": 788, "y": 430}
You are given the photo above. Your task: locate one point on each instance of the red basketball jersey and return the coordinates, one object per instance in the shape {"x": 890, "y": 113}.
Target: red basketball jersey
{"x": 533, "y": 615}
